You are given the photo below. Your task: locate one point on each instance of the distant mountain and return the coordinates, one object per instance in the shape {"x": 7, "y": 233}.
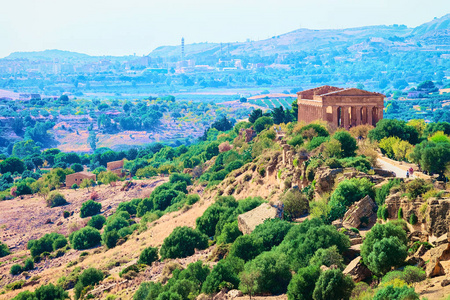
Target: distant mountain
{"x": 394, "y": 37}
{"x": 48, "y": 55}
{"x": 61, "y": 55}
{"x": 442, "y": 23}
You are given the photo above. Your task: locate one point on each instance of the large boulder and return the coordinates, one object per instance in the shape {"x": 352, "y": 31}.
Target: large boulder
{"x": 357, "y": 270}
{"x": 437, "y": 255}
{"x": 248, "y": 221}
{"x": 438, "y": 216}
{"x": 363, "y": 209}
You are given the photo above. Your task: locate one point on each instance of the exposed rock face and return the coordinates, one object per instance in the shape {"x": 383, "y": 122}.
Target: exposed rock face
{"x": 363, "y": 209}
{"x": 234, "y": 293}
{"x": 438, "y": 255}
{"x": 357, "y": 270}
{"x": 247, "y": 222}
{"x": 395, "y": 201}
{"x": 325, "y": 178}
{"x": 438, "y": 216}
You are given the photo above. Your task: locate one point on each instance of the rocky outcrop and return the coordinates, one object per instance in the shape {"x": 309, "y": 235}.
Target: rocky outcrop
{"x": 247, "y": 222}
{"x": 396, "y": 201}
{"x": 437, "y": 255}
{"x": 438, "y": 216}
{"x": 362, "y": 211}
{"x": 357, "y": 270}
{"x": 325, "y": 178}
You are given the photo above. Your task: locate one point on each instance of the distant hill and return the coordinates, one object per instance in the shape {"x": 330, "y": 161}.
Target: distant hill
{"x": 395, "y": 37}
{"x": 61, "y": 55}
{"x": 442, "y": 23}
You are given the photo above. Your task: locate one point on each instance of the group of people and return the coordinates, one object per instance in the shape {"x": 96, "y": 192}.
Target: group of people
{"x": 409, "y": 172}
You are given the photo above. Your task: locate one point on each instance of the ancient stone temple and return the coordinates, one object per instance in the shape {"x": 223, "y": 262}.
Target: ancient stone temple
{"x": 342, "y": 107}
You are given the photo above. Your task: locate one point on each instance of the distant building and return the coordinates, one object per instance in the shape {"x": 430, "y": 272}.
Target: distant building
{"x": 116, "y": 167}
{"x": 444, "y": 91}
{"x": 342, "y": 107}
{"x": 77, "y": 178}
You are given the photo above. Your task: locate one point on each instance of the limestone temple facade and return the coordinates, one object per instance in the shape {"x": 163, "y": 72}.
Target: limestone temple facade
{"x": 342, "y": 107}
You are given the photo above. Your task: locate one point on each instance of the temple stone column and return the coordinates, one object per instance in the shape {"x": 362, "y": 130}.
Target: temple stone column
{"x": 358, "y": 115}
{"x": 345, "y": 116}
{"x": 380, "y": 113}
{"x": 335, "y": 115}
{"x": 369, "y": 114}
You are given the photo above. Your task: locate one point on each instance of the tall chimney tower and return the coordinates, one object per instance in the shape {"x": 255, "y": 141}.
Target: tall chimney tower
{"x": 182, "y": 48}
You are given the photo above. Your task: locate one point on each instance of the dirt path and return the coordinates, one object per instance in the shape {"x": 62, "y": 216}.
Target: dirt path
{"x": 400, "y": 170}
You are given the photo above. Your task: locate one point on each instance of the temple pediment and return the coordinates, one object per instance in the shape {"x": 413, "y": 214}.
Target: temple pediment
{"x": 351, "y": 92}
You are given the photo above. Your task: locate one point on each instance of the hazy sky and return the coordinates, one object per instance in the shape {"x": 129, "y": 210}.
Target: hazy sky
{"x": 121, "y": 27}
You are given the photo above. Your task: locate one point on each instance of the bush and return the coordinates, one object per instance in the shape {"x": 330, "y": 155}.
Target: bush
{"x": 400, "y": 213}
{"x": 417, "y": 187}
{"x": 302, "y": 284}
{"x": 225, "y": 272}
{"x": 148, "y": 256}
{"x": 97, "y": 221}
{"x": 230, "y": 233}
{"x": 303, "y": 240}
{"x": 393, "y": 293}
{"x": 148, "y": 290}
{"x": 85, "y": 238}
{"x": 295, "y": 204}
{"x": 182, "y": 242}
{"x": 316, "y": 142}
{"x": 328, "y": 257}
{"x": 246, "y": 247}
{"x": 89, "y": 277}
{"x": 296, "y": 141}
{"x": 348, "y": 143}
{"x": 178, "y": 177}
{"x": 55, "y": 199}
{"x": 90, "y": 208}
{"x": 44, "y": 292}
{"x": 332, "y": 284}
{"x": 16, "y": 269}
{"x": 110, "y": 238}
{"x": 348, "y": 192}
{"x": 272, "y": 272}
{"x": 66, "y": 214}
{"x": 23, "y": 189}
{"x": 384, "y": 247}
{"x": 261, "y": 123}
{"x": 28, "y": 265}
{"x": 409, "y": 275}
{"x": 413, "y": 219}
{"x": 4, "y": 250}
{"x": 271, "y": 232}
{"x": 48, "y": 243}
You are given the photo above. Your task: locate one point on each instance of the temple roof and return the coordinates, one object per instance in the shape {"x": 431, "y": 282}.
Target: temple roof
{"x": 327, "y": 90}
{"x": 321, "y": 90}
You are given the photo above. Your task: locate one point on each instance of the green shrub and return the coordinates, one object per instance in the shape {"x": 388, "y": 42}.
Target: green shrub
{"x": 230, "y": 233}
{"x": 148, "y": 290}
{"x": 148, "y": 256}
{"x": 74, "y": 186}
{"x": 413, "y": 219}
{"x": 85, "y": 238}
{"x": 4, "y": 250}
{"x": 16, "y": 285}
{"x": 383, "y": 192}
{"x": 384, "y": 247}
{"x": 333, "y": 163}
{"x": 89, "y": 277}
{"x": 409, "y": 275}
{"x": 90, "y": 208}
{"x": 400, "y": 213}
{"x": 296, "y": 141}
{"x": 316, "y": 142}
{"x": 178, "y": 177}
{"x": 332, "y": 284}
{"x": 225, "y": 271}
{"x": 28, "y": 264}
{"x": 302, "y": 284}
{"x": 271, "y": 232}
{"x": 48, "y": 243}
{"x": 246, "y": 247}
{"x": 328, "y": 257}
{"x": 133, "y": 268}
{"x": 417, "y": 187}
{"x": 272, "y": 272}
{"x": 16, "y": 269}
{"x": 110, "y": 238}
{"x": 346, "y": 193}
{"x": 66, "y": 214}
{"x": 182, "y": 242}
{"x": 55, "y": 199}
{"x": 97, "y": 221}
{"x": 295, "y": 204}
{"x": 393, "y": 293}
